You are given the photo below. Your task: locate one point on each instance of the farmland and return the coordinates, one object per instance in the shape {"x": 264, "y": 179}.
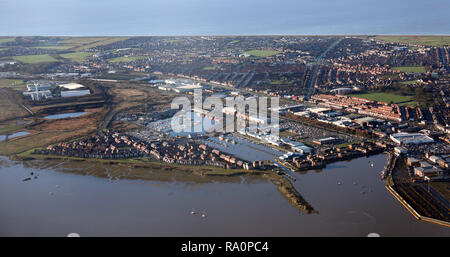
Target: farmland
{"x": 82, "y": 43}
{"x": 8, "y": 108}
{"x": 54, "y": 47}
{"x": 7, "y": 39}
{"x": 35, "y": 58}
{"x": 437, "y": 41}
{"x": 77, "y": 56}
{"x": 126, "y": 59}
{"x": 12, "y": 83}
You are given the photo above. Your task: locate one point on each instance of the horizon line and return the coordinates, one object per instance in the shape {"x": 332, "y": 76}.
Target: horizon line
{"x": 230, "y": 35}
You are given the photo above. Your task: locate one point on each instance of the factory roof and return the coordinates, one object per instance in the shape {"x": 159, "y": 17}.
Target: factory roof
{"x": 71, "y": 86}
{"x": 411, "y": 138}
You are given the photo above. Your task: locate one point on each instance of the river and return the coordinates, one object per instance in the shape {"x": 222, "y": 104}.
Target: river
{"x": 61, "y": 201}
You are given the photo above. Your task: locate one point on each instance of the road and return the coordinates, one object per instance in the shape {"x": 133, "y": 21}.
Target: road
{"x": 317, "y": 65}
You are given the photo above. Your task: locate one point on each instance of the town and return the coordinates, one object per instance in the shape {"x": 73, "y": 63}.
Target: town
{"x": 341, "y": 98}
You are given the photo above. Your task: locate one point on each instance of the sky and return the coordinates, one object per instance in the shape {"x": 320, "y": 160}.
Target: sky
{"x": 222, "y": 17}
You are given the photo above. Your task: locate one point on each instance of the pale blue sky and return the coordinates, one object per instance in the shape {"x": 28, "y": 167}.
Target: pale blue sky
{"x": 225, "y": 17}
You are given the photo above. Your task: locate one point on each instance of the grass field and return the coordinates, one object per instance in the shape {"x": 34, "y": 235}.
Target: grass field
{"x": 410, "y": 104}
{"x": 172, "y": 40}
{"x": 409, "y": 82}
{"x": 126, "y": 59}
{"x": 438, "y": 41}
{"x": 7, "y": 39}
{"x": 35, "y": 58}
{"x": 418, "y": 69}
{"x": 121, "y": 76}
{"x": 9, "y": 128}
{"x": 76, "y": 57}
{"x": 209, "y": 68}
{"x": 9, "y": 109}
{"x": 262, "y": 53}
{"x": 53, "y": 131}
{"x": 383, "y": 97}
{"x": 12, "y": 83}
{"x": 280, "y": 82}
{"x": 54, "y": 47}
{"x": 82, "y": 43}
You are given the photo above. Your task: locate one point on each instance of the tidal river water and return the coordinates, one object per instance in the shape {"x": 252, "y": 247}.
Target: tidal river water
{"x": 60, "y": 199}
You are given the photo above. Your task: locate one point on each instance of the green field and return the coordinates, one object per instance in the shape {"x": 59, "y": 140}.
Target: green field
{"x": 418, "y": 69}
{"x": 9, "y": 109}
{"x": 172, "y": 40}
{"x": 209, "y": 68}
{"x": 7, "y": 39}
{"x": 81, "y": 43}
{"x": 410, "y": 104}
{"x": 127, "y": 59}
{"x": 409, "y": 82}
{"x": 121, "y": 76}
{"x": 54, "y": 47}
{"x": 76, "y": 57}
{"x": 262, "y": 53}
{"x": 12, "y": 83}
{"x": 383, "y": 97}
{"x": 280, "y": 82}
{"x": 35, "y": 58}
{"x": 437, "y": 41}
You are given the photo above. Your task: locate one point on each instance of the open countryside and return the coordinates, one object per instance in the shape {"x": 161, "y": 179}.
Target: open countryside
{"x": 35, "y": 58}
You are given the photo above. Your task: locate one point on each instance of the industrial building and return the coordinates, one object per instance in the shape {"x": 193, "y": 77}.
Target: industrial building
{"x": 326, "y": 141}
{"x": 72, "y": 86}
{"x": 39, "y": 95}
{"x": 411, "y": 138}
{"x": 39, "y": 91}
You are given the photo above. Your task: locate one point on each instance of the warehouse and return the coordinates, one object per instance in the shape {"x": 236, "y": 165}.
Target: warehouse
{"x": 411, "y": 138}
